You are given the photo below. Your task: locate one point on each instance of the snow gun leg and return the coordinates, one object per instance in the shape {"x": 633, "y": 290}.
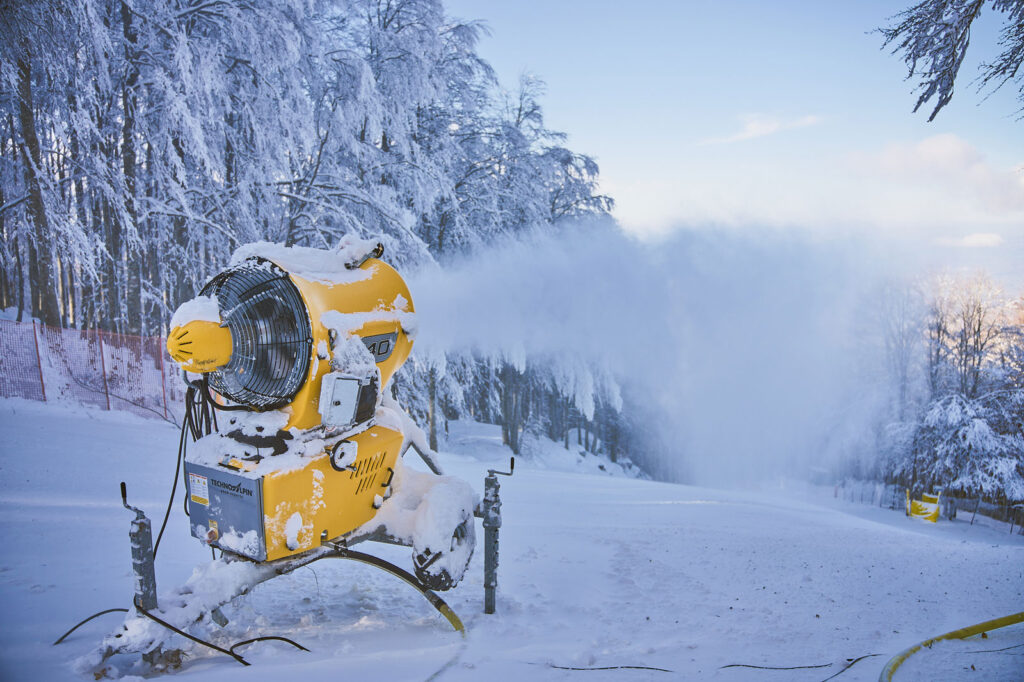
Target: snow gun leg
{"x": 182, "y": 610}
{"x": 141, "y": 536}
{"x": 491, "y": 515}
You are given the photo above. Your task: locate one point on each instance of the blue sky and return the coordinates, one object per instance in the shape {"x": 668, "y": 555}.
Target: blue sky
{"x": 775, "y": 114}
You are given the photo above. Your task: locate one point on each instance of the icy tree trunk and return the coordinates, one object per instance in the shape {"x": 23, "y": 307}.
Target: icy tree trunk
{"x": 511, "y": 408}
{"x": 938, "y": 331}
{"x": 129, "y": 160}
{"x": 85, "y": 304}
{"x": 113, "y": 300}
{"x": 6, "y": 298}
{"x": 21, "y": 280}
{"x": 152, "y": 272}
{"x": 180, "y": 290}
{"x": 44, "y": 289}
{"x": 565, "y": 420}
{"x": 432, "y": 397}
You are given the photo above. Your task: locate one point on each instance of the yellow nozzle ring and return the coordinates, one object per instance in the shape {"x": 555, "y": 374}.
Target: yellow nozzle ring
{"x": 200, "y": 346}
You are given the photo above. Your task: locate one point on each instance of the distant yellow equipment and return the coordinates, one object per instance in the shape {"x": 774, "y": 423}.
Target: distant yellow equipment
{"x": 926, "y": 509}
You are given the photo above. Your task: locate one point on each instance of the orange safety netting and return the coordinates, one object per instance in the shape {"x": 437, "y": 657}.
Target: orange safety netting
{"x": 88, "y": 367}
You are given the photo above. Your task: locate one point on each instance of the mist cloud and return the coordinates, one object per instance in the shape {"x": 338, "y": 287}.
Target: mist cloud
{"x": 739, "y": 345}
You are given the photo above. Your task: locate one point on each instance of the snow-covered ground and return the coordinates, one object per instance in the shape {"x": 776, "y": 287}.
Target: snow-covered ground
{"x": 596, "y": 571}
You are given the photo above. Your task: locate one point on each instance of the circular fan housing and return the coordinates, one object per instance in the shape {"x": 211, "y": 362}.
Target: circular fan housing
{"x": 270, "y": 335}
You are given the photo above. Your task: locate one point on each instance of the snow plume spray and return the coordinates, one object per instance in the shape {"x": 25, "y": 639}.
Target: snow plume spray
{"x": 738, "y": 349}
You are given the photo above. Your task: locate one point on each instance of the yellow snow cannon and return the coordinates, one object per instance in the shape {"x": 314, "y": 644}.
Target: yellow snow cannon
{"x": 293, "y": 348}
{"x": 298, "y": 448}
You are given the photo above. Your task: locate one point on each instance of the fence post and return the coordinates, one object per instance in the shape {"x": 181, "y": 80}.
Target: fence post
{"x": 163, "y": 375}
{"x": 39, "y": 361}
{"x": 103, "y": 368}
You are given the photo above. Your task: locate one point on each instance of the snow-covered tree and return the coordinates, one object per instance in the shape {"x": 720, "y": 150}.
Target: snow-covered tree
{"x": 901, "y": 316}
{"x": 964, "y": 325}
{"x": 968, "y": 438}
{"x": 972, "y": 447}
{"x": 933, "y": 37}
{"x": 1011, "y": 352}
{"x": 143, "y": 140}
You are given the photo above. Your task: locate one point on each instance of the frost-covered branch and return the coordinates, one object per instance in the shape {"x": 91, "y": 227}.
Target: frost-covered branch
{"x": 933, "y": 36}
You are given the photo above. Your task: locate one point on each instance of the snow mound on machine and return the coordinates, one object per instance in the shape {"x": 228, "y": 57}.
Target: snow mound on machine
{"x": 200, "y": 308}
{"x": 434, "y": 514}
{"x": 315, "y": 265}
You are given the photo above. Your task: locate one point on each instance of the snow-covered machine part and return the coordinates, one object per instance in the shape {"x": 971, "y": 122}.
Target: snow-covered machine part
{"x": 198, "y": 342}
{"x": 248, "y": 506}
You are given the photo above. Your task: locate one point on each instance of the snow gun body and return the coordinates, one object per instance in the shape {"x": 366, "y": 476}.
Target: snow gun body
{"x": 293, "y": 349}
{"x": 269, "y": 349}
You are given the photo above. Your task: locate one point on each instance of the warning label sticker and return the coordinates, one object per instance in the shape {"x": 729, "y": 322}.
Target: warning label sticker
{"x": 199, "y": 491}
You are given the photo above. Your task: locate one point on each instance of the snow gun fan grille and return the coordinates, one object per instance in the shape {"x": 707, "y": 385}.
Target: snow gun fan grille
{"x": 270, "y": 335}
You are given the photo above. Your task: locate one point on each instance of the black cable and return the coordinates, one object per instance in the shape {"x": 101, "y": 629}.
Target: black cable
{"x": 199, "y": 420}
{"x": 612, "y": 667}
{"x": 991, "y": 651}
{"x": 766, "y": 667}
{"x": 81, "y": 623}
{"x": 203, "y": 386}
{"x": 266, "y": 638}
{"x": 170, "y": 627}
{"x": 194, "y": 409}
{"x": 310, "y": 568}
{"x": 182, "y": 444}
{"x": 230, "y": 651}
{"x": 205, "y": 426}
{"x": 197, "y": 423}
{"x": 850, "y": 664}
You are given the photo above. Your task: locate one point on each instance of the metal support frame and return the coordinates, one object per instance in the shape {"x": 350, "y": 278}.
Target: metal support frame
{"x": 143, "y": 559}
{"x": 340, "y": 548}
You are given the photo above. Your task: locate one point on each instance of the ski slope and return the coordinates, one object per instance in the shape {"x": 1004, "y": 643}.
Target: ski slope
{"x": 596, "y": 571}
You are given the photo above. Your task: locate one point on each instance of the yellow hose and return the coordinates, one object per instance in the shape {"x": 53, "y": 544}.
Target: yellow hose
{"x": 963, "y": 633}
